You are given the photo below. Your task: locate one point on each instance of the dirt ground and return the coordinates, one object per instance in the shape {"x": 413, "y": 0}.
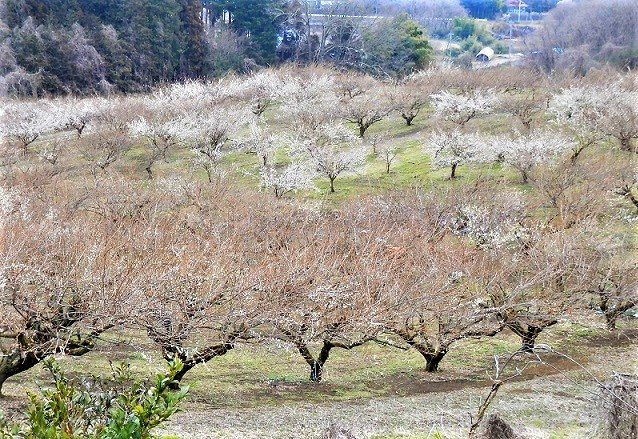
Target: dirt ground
{"x": 377, "y": 392}
{"x": 556, "y": 400}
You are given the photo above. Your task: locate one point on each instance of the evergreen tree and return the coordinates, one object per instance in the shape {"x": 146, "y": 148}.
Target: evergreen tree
{"x": 258, "y": 21}
{"x": 193, "y": 60}
{"x": 77, "y": 44}
{"x": 541, "y": 5}
{"x": 397, "y": 47}
{"x": 483, "y": 8}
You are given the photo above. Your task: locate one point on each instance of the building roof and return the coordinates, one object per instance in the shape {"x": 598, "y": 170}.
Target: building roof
{"x": 488, "y": 52}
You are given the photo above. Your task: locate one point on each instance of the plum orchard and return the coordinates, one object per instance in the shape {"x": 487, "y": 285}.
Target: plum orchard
{"x": 109, "y": 223}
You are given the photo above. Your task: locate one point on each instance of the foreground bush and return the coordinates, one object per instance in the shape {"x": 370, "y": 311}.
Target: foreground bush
{"x": 119, "y": 407}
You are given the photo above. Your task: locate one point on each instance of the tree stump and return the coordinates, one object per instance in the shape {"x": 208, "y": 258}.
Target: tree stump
{"x": 622, "y": 415}
{"x": 496, "y": 428}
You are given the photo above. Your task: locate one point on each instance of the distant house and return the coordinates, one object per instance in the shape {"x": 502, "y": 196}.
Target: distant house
{"x": 485, "y": 55}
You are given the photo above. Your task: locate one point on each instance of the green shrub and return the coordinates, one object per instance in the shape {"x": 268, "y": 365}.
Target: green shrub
{"x": 117, "y": 408}
{"x": 500, "y": 47}
{"x": 473, "y": 36}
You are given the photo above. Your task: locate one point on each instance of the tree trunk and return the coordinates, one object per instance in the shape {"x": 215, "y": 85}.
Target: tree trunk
{"x": 316, "y": 372}
{"x": 408, "y": 118}
{"x": 576, "y": 153}
{"x": 432, "y": 361}
{"x": 362, "y": 129}
{"x": 611, "y": 321}
{"x": 316, "y": 368}
{"x": 632, "y": 198}
{"x": 528, "y": 338}
{"x": 3, "y": 378}
{"x": 171, "y": 351}
{"x": 453, "y": 172}
{"x": 612, "y": 314}
{"x": 149, "y": 170}
{"x": 12, "y": 364}
{"x": 332, "y": 185}
{"x": 316, "y": 364}
{"x": 175, "y": 385}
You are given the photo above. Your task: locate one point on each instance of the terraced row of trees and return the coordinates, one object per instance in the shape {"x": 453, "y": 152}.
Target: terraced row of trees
{"x": 97, "y": 237}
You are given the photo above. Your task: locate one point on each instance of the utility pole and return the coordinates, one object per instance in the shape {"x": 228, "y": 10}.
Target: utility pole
{"x": 510, "y": 41}
{"x": 519, "y": 10}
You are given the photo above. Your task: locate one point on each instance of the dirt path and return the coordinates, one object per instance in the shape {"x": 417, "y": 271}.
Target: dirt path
{"x": 550, "y": 397}
{"x": 553, "y": 397}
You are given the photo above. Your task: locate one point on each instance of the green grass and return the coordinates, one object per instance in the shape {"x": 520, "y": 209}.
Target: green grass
{"x": 411, "y": 168}
{"x": 267, "y": 374}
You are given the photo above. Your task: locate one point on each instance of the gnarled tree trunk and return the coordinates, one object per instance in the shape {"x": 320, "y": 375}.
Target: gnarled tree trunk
{"x": 612, "y": 313}
{"x": 190, "y": 360}
{"x": 408, "y": 117}
{"x": 432, "y": 360}
{"x": 14, "y": 363}
{"x": 528, "y": 338}
{"x": 32, "y": 349}
{"x": 316, "y": 364}
{"x": 529, "y": 333}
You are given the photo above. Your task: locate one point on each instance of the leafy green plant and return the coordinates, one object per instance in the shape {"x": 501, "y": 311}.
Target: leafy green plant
{"x": 117, "y": 408}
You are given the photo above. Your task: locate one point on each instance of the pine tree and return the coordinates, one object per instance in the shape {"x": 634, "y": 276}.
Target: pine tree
{"x": 194, "y": 58}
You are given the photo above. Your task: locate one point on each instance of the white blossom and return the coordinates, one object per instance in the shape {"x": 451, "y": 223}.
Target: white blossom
{"x": 283, "y": 180}
{"x": 263, "y": 142}
{"x": 333, "y": 149}
{"x": 525, "y": 153}
{"x": 454, "y": 148}
{"x": 262, "y": 89}
{"x": 461, "y": 108}
{"x": 594, "y": 112}
{"x": 25, "y": 122}
{"x": 77, "y": 114}
{"x": 309, "y": 102}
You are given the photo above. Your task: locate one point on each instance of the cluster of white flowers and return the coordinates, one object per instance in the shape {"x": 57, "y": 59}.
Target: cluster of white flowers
{"x": 334, "y": 148}
{"x": 490, "y": 227}
{"x": 593, "y": 112}
{"x": 309, "y": 102}
{"x": 454, "y": 148}
{"x": 580, "y": 109}
{"x": 262, "y": 89}
{"x": 168, "y": 131}
{"x": 77, "y": 114}
{"x": 461, "y": 108}
{"x": 25, "y": 122}
{"x": 524, "y": 153}
{"x": 263, "y": 142}
{"x": 286, "y": 179}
